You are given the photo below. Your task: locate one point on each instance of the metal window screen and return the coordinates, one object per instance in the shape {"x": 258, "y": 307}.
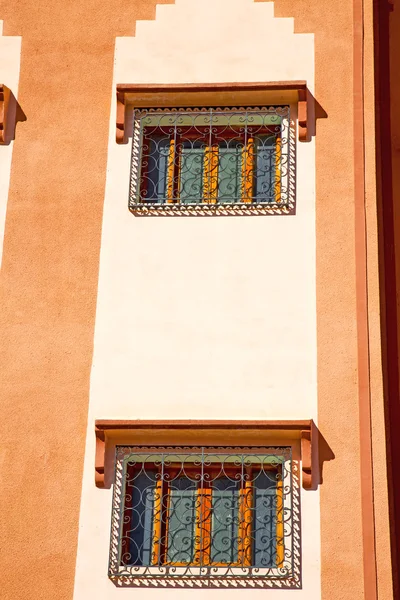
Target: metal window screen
{"x": 210, "y": 157}
{"x": 201, "y": 513}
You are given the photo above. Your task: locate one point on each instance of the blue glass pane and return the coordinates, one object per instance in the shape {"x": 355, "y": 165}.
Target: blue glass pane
{"x": 264, "y": 519}
{"x": 140, "y": 534}
{"x": 265, "y": 150}
{"x": 181, "y": 522}
{"x": 157, "y": 170}
{"x": 224, "y": 521}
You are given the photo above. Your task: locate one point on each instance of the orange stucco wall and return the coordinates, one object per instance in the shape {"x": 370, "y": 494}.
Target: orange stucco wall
{"x": 340, "y": 387}
{"x": 49, "y": 282}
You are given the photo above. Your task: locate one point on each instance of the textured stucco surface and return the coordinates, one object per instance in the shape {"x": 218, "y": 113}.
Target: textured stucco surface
{"x": 49, "y": 280}
{"x": 204, "y": 318}
{"x": 49, "y": 284}
{"x": 10, "y": 53}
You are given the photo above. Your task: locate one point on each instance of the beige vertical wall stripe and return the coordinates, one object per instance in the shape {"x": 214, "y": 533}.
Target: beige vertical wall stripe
{"x": 188, "y": 325}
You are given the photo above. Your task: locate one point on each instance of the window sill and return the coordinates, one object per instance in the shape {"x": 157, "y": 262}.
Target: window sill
{"x": 207, "y": 577}
{"x": 223, "y": 210}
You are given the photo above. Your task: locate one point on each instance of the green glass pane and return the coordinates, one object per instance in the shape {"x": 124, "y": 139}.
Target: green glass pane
{"x": 191, "y": 175}
{"x": 264, "y": 519}
{"x": 229, "y": 174}
{"x": 217, "y": 119}
{"x": 224, "y": 522}
{"x": 181, "y": 522}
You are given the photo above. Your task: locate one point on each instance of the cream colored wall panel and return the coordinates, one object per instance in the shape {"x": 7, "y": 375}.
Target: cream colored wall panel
{"x": 207, "y": 318}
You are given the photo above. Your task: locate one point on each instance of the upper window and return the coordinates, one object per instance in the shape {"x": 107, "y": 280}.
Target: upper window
{"x": 203, "y": 512}
{"x": 209, "y": 157}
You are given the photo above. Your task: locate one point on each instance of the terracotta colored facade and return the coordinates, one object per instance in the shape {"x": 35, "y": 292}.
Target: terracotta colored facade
{"x": 75, "y": 261}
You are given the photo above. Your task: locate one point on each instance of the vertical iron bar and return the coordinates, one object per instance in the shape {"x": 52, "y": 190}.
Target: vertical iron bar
{"x": 174, "y": 163}
{"x": 161, "y": 514}
{"x": 122, "y": 508}
{"x": 246, "y": 159}
{"x": 114, "y": 501}
{"x": 201, "y": 507}
{"x": 210, "y": 158}
{"x": 242, "y": 500}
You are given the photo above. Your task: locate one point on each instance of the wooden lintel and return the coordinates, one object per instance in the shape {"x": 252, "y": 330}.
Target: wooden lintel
{"x": 210, "y": 94}
{"x": 125, "y": 432}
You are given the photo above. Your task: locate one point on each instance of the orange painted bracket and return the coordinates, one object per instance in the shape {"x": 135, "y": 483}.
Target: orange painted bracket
{"x": 116, "y": 432}
{"x": 307, "y": 458}
{"x": 8, "y": 114}
{"x": 211, "y": 94}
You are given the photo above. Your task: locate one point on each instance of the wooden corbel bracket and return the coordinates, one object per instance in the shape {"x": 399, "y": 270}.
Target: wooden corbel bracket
{"x": 302, "y": 115}
{"x": 142, "y": 95}
{"x": 109, "y": 434}
{"x": 8, "y": 112}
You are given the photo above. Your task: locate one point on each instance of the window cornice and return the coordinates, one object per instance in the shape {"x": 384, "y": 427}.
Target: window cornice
{"x": 131, "y": 96}
{"x": 110, "y": 433}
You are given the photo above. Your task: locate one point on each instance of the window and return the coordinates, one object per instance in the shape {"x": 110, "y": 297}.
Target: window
{"x": 210, "y": 157}
{"x": 202, "y": 512}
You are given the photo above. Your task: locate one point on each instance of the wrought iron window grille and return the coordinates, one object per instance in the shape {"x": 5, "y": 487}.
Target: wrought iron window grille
{"x": 212, "y": 160}
{"x": 205, "y": 517}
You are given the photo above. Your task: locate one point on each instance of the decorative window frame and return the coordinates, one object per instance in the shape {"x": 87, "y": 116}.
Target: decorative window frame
{"x": 292, "y": 439}
{"x": 131, "y": 99}
{"x": 285, "y": 575}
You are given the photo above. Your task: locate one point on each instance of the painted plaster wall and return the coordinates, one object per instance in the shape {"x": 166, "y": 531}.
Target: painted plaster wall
{"x": 10, "y": 54}
{"x": 203, "y": 317}
{"x": 49, "y": 281}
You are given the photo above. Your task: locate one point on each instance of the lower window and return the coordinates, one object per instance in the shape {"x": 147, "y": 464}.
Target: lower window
{"x": 203, "y": 512}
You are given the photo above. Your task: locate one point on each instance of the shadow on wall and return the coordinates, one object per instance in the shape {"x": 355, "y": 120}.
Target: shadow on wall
{"x": 324, "y": 454}
{"x": 317, "y": 112}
